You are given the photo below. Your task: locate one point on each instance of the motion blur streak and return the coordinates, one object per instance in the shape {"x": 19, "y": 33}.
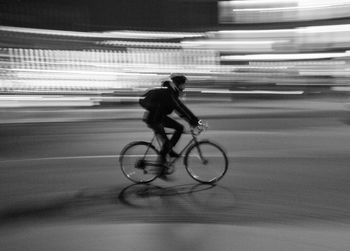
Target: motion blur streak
{"x": 123, "y": 63}
{"x": 281, "y": 11}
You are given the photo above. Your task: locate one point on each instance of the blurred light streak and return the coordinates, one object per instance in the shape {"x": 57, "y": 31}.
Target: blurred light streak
{"x": 44, "y": 101}
{"x": 53, "y": 75}
{"x": 322, "y": 2}
{"x": 341, "y": 89}
{"x": 140, "y": 44}
{"x": 39, "y": 98}
{"x": 320, "y": 72}
{"x": 316, "y": 63}
{"x": 332, "y": 36}
{"x": 252, "y": 92}
{"x": 302, "y": 84}
{"x": 325, "y": 28}
{"x": 116, "y": 99}
{"x": 85, "y": 72}
{"x": 256, "y": 4}
{"x": 233, "y": 46}
{"x": 229, "y": 42}
{"x": 281, "y": 11}
{"x": 293, "y": 8}
{"x": 299, "y": 56}
{"x": 253, "y": 34}
{"x": 152, "y": 35}
{"x": 110, "y": 34}
{"x": 60, "y": 100}
{"x": 262, "y": 2}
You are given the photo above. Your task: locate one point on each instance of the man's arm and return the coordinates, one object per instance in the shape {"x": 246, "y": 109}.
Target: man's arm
{"x": 184, "y": 112}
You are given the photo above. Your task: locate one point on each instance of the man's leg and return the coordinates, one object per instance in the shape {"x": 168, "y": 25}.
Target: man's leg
{"x": 160, "y": 132}
{"x": 179, "y": 129}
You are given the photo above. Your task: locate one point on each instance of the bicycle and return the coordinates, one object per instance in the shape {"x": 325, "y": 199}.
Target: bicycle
{"x": 205, "y": 161}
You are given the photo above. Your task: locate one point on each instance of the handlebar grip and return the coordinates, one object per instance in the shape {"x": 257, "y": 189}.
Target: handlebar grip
{"x": 200, "y": 128}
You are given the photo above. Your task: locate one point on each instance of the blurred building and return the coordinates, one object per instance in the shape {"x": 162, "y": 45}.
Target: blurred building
{"x": 227, "y": 48}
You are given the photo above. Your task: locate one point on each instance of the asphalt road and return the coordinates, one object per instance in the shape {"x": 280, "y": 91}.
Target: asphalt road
{"x": 285, "y": 172}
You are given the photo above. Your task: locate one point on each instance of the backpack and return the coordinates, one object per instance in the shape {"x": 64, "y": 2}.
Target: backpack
{"x": 146, "y": 100}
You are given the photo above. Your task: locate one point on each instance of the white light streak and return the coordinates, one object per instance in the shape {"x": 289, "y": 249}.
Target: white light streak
{"x": 152, "y": 35}
{"x": 230, "y": 42}
{"x": 276, "y": 3}
{"x": 299, "y": 56}
{"x": 111, "y": 34}
{"x": 140, "y": 44}
{"x": 322, "y": 2}
{"x": 260, "y": 2}
{"x": 86, "y": 72}
{"x": 253, "y": 92}
{"x": 325, "y": 28}
{"x": 283, "y": 9}
{"x": 308, "y": 29}
{"x": 255, "y": 31}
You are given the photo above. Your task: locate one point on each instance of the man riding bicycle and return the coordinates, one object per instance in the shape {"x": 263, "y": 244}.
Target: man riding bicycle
{"x": 161, "y": 102}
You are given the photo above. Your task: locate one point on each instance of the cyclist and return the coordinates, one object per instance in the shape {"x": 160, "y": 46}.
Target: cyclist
{"x": 159, "y": 103}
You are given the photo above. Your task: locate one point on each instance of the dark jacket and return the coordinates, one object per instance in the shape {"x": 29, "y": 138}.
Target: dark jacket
{"x": 160, "y": 102}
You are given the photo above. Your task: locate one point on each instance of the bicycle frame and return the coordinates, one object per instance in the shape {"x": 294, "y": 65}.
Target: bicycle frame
{"x": 191, "y": 142}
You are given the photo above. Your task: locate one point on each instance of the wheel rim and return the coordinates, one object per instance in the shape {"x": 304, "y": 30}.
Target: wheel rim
{"x": 133, "y": 163}
{"x": 210, "y": 169}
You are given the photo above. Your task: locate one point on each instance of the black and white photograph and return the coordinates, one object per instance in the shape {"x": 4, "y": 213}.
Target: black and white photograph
{"x": 175, "y": 125}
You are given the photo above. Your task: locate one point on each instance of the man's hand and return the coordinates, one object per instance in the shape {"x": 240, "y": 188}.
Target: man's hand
{"x": 201, "y": 126}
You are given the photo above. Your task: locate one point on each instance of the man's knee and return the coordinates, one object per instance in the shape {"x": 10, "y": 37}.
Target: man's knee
{"x": 180, "y": 128}
{"x": 155, "y": 127}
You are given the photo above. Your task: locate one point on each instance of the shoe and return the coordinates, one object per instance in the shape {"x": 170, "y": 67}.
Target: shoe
{"x": 173, "y": 154}
{"x": 168, "y": 170}
{"x": 165, "y": 177}
{"x": 166, "y": 173}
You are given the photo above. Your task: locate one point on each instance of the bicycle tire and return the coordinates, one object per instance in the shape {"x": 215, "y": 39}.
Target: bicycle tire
{"x": 131, "y": 157}
{"x": 212, "y": 168}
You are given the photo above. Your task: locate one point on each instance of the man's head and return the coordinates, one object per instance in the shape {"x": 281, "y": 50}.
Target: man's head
{"x": 179, "y": 80}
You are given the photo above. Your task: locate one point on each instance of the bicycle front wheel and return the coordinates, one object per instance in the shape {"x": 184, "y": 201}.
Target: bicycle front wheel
{"x": 206, "y": 162}
{"x": 134, "y": 159}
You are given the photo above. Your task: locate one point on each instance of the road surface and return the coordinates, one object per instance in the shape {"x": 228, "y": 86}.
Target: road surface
{"x": 287, "y": 187}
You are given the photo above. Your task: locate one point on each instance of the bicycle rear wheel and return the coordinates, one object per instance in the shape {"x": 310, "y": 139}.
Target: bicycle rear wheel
{"x": 134, "y": 162}
{"x": 206, "y": 162}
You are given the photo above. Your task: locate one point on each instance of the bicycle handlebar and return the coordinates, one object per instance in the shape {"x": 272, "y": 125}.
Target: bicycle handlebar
{"x": 202, "y": 126}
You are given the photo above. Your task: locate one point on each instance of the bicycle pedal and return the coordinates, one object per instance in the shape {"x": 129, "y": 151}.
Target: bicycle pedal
{"x": 169, "y": 170}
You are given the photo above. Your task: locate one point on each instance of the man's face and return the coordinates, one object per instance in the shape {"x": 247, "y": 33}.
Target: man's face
{"x": 181, "y": 87}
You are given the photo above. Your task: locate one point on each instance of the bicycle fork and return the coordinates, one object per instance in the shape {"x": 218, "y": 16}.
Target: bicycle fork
{"x": 201, "y": 157}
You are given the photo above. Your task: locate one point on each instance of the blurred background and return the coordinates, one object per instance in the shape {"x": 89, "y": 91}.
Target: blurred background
{"x": 88, "y": 53}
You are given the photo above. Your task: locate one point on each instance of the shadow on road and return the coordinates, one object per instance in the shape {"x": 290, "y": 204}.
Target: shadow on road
{"x": 138, "y": 202}
{"x": 194, "y": 196}
{"x": 131, "y": 195}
